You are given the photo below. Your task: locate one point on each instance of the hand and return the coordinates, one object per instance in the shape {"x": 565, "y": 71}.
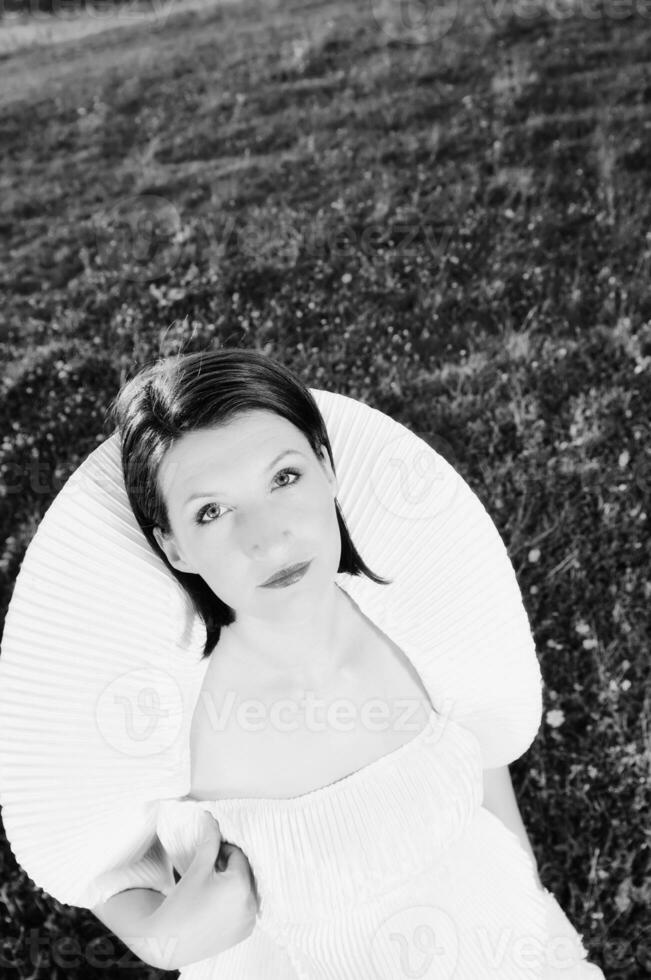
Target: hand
{"x": 211, "y": 908}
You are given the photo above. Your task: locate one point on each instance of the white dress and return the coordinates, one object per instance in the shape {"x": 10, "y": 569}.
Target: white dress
{"x": 394, "y": 871}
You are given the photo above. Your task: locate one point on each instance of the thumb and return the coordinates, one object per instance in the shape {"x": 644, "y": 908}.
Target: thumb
{"x": 236, "y": 861}
{"x": 210, "y": 840}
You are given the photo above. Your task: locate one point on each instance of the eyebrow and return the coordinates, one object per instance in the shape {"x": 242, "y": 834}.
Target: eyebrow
{"x": 285, "y": 452}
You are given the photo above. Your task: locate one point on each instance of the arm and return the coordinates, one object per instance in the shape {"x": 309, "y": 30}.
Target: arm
{"x": 205, "y": 913}
{"x": 500, "y": 799}
{"x": 129, "y": 916}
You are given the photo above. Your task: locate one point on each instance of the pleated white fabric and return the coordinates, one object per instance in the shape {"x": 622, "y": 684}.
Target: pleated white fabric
{"x": 393, "y": 871}
{"x": 101, "y": 671}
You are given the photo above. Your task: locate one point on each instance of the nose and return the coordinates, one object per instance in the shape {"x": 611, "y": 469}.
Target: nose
{"x": 263, "y": 533}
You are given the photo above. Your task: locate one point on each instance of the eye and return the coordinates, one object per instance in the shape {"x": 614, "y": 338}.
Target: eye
{"x": 202, "y": 511}
{"x": 292, "y": 472}
{"x": 289, "y": 470}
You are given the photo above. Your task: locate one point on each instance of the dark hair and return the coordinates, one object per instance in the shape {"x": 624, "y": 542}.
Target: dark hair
{"x": 186, "y": 392}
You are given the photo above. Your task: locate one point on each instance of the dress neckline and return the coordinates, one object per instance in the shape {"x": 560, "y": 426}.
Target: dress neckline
{"x": 432, "y": 717}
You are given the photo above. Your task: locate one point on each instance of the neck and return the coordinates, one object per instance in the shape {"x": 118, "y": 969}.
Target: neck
{"x": 306, "y": 644}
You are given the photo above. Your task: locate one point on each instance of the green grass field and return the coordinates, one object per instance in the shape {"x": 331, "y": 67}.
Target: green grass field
{"x": 455, "y": 229}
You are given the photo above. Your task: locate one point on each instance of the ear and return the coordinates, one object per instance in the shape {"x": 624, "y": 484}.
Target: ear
{"x": 168, "y": 545}
{"x": 329, "y": 472}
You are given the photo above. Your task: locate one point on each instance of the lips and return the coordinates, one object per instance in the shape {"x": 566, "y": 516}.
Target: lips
{"x": 285, "y": 572}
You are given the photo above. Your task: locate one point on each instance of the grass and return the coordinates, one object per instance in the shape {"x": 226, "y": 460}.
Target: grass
{"x": 456, "y": 231}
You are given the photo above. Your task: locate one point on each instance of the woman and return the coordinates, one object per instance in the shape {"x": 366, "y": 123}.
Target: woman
{"x": 358, "y": 845}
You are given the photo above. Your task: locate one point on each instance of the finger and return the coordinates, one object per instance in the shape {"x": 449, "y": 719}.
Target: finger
{"x": 221, "y": 862}
{"x": 208, "y": 847}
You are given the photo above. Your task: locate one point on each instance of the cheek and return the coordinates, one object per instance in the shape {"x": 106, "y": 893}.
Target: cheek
{"x": 326, "y": 529}
{"x": 322, "y": 515}
{"x": 208, "y": 550}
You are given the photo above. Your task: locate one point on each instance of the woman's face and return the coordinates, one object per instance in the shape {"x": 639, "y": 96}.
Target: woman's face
{"x": 240, "y": 510}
